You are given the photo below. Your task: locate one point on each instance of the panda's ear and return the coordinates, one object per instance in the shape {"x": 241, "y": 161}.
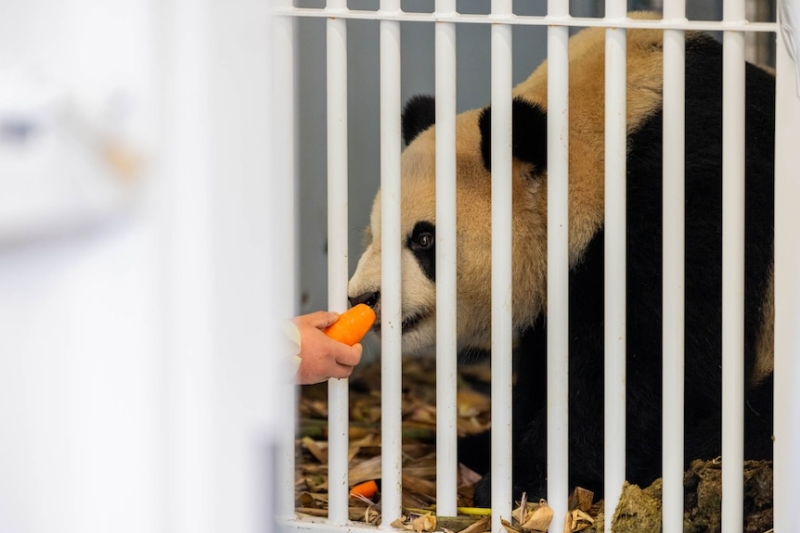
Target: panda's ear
{"x": 418, "y": 114}
{"x": 528, "y": 134}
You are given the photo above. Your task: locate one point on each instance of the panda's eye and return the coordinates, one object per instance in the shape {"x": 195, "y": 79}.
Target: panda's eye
{"x": 424, "y": 240}
{"x": 422, "y": 243}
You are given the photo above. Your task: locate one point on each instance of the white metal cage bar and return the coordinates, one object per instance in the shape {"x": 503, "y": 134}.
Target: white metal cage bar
{"x": 557, "y": 262}
{"x": 501, "y": 267}
{"x": 446, "y": 347}
{"x": 392, "y": 318}
{"x": 733, "y": 201}
{"x": 787, "y": 288}
{"x": 616, "y": 140}
{"x": 529, "y": 20}
{"x": 673, "y": 284}
{"x": 338, "y": 411}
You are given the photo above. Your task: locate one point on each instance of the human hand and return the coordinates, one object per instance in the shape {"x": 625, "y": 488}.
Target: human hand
{"x": 321, "y": 357}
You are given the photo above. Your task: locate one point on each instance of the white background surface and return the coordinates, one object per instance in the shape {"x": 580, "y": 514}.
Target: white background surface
{"x": 136, "y": 370}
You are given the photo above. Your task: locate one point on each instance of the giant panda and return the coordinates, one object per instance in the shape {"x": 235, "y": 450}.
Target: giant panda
{"x": 703, "y": 252}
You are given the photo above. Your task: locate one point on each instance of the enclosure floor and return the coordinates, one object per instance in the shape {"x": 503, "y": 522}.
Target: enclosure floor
{"x": 639, "y": 509}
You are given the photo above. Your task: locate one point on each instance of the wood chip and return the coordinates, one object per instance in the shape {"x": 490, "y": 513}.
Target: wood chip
{"x": 578, "y": 521}
{"x": 580, "y": 499}
{"x": 534, "y": 517}
{"x": 416, "y": 523}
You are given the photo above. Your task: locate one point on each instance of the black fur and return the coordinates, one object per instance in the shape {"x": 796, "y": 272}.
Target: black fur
{"x": 528, "y": 134}
{"x": 419, "y": 114}
{"x": 703, "y": 337}
{"x": 422, "y": 243}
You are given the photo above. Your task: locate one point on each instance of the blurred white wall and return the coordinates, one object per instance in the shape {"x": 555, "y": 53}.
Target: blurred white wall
{"x": 80, "y": 394}
{"x": 136, "y": 370}
{"x": 81, "y": 443}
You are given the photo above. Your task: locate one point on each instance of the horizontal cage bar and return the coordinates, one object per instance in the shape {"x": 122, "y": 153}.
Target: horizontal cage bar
{"x": 530, "y": 20}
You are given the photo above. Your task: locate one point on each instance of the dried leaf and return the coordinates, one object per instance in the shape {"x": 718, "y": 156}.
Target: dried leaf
{"x": 307, "y": 499}
{"x": 539, "y": 520}
{"x": 314, "y": 408}
{"x": 533, "y": 516}
{"x": 399, "y": 523}
{"x": 316, "y": 449}
{"x": 317, "y": 483}
{"x": 365, "y": 470}
{"x": 425, "y": 414}
{"x": 414, "y": 500}
{"x": 416, "y": 523}
{"x": 417, "y": 450}
{"x": 418, "y": 485}
{"x": 580, "y": 499}
{"x": 481, "y": 526}
{"x": 579, "y": 521}
{"x": 424, "y": 523}
{"x": 311, "y": 512}
{"x": 372, "y": 515}
{"x": 459, "y": 524}
{"x": 521, "y": 511}
{"x": 510, "y": 528}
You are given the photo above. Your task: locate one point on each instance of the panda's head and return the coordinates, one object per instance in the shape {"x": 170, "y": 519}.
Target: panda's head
{"x": 473, "y": 207}
{"x": 529, "y": 209}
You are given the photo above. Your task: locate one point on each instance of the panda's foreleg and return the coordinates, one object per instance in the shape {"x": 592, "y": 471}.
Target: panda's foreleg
{"x": 474, "y": 452}
{"x": 530, "y": 464}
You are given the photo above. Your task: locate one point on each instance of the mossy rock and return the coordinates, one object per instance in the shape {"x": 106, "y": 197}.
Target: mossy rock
{"x": 639, "y": 510}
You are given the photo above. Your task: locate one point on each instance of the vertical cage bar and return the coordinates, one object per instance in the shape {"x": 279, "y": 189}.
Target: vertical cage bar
{"x": 673, "y": 257}
{"x": 787, "y": 287}
{"x": 284, "y": 165}
{"x": 501, "y": 266}
{"x": 446, "y": 337}
{"x": 615, "y": 264}
{"x": 391, "y": 294}
{"x": 337, "y": 255}
{"x": 557, "y": 263}
{"x": 733, "y": 146}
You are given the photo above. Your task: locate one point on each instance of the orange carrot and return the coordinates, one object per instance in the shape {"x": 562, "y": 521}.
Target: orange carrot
{"x": 352, "y": 325}
{"x": 367, "y": 489}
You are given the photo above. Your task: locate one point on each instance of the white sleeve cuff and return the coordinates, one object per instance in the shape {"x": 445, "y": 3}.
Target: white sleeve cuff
{"x": 291, "y": 348}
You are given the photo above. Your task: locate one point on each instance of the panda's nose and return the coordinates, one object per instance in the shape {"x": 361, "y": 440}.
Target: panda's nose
{"x": 369, "y": 298}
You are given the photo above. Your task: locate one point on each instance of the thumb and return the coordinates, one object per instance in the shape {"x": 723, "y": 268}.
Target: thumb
{"x": 323, "y": 319}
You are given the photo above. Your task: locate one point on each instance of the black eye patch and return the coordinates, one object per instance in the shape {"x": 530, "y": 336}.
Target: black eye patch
{"x": 422, "y": 243}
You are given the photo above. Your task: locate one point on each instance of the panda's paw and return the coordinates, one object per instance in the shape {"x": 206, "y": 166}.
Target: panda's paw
{"x": 483, "y": 492}
{"x": 534, "y": 490}
{"x": 474, "y": 452}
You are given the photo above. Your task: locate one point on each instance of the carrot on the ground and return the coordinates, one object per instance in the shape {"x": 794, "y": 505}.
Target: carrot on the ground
{"x": 367, "y": 489}
{"x": 352, "y": 325}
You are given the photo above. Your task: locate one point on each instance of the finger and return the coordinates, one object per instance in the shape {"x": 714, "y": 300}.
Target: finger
{"x": 350, "y": 356}
{"x": 323, "y": 319}
{"x": 319, "y": 319}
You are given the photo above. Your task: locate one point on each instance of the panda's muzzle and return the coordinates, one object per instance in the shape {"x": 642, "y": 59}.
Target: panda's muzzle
{"x": 373, "y": 298}
{"x": 368, "y": 298}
